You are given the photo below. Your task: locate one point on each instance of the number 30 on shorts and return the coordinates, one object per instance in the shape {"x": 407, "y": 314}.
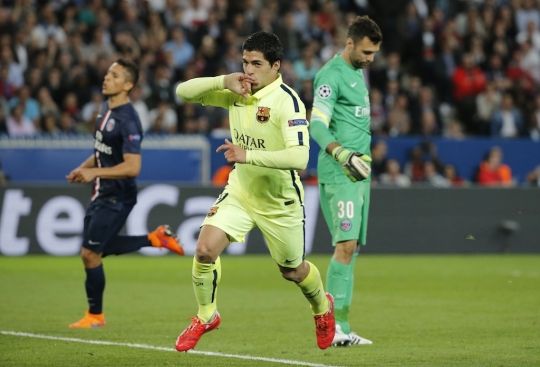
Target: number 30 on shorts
{"x": 345, "y": 209}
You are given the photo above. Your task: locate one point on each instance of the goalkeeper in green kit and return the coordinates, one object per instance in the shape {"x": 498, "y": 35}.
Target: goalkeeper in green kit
{"x": 340, "y": 123}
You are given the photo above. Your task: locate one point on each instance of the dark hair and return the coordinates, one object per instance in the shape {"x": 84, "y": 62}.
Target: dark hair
{"x": 132, "y": 70}
{"x": 362, "y": 27}
{"x": 267, "y": 43}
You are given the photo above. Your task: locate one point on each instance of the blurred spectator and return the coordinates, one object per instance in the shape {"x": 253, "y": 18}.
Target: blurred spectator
{"x": 469, "y": 81}
{"x": 487, "y": 103}
{"x": 507, "y": 121}
{"x": 391, "y": 71}
{"x": 46, "y": 103}
{"x": 492, "y": 172}
{"x": 307, "y": 67}
{"x": 100, "y": 45}
{"x": 7, "y": 88}
{"x": 67, "y": 124}
{"x": 530, "y": 60}
{"x": 530, "y": 34}
{"x": 181, "y": 49}
{"x": 534, "y": 120}
{"x": 15, "y": 72}
{"x": 290, "y": 38}
{"x": 452, "y": 177}
{"x": 533, "y": 177}
{"x": 155, "y": 34}
{"x": 130, "y": 23}
{"x": 18, "y": 124}
{"x": 91, "y": 108}
{"x": 163, "y": 119}
{"x": 378, "y": 112}
{"x": 48, "y": 27}
{"x": 432, "y": 177}
{"x": 379, "y": 150}
{"x": 161, "y": 87}
{"x": 399, "y": 120}
{"x": 429, "y": 126}
{"x": 30, "y": 105}
{"x": 454, "y": 130}
{"x": 393, "y": 176}
{"x": 136, "y": 97}
{"x": 49, "y": 124}
{"x": 414, "y": 168}
{"x": 71, "y": 106}
{"x": 194, "y": 15}
{"x": 525, "y": 14}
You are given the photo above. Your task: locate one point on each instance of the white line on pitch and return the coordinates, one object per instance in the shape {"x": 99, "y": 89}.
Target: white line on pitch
{"x": 145, "y": 346}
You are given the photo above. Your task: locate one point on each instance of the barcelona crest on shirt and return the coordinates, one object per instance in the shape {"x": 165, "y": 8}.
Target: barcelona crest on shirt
{"x": 213, "y": 210}
{"x": 263, "y": 114}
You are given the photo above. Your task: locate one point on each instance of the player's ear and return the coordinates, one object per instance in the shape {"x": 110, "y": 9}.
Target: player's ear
{"x": 277, "y": 65}
{"x": 128, "y": 86}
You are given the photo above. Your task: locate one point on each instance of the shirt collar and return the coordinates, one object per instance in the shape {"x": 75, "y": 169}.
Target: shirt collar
{"x": 269, "y": 88}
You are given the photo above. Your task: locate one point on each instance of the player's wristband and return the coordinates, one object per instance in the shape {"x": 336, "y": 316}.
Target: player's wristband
{"x": 337, "y": 151}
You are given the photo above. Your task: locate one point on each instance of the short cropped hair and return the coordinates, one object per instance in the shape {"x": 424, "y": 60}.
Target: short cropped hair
{"x": 132, "y": 70}
{"x": 362, "y": 27}
{"x": 267, "y": 43}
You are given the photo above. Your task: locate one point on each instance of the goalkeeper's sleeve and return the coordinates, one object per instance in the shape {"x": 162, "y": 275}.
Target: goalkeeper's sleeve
{"x": 320, "y": 133}
{"x": 295, "y": 157}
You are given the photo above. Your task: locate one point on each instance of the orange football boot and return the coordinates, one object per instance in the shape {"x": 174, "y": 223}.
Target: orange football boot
{"x": 164, "y": 238}
{"x": 89, "y": 321}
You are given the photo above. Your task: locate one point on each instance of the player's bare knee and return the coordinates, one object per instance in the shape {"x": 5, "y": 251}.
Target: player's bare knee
{"x": 205, "y": 253}
{"x": 90, "y": 258}
{"x": 290, "y": 275}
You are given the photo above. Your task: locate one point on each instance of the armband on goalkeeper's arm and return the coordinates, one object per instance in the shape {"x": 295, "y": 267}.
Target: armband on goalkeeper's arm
{"x": 353, "y": 163}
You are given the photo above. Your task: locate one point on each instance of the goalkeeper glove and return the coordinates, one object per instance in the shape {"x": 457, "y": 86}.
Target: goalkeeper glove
{"x": 353, "y": 163}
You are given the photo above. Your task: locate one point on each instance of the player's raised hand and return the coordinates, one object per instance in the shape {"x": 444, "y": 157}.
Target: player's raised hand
{"x": 239, "y": 83}
{"x": 233, "y": 153}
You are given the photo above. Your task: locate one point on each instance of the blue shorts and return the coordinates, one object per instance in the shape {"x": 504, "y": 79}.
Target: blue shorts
{"x": 103, "y": 221}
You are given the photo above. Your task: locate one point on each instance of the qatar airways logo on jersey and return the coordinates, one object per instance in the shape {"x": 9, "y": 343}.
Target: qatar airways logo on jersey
{"x": 360, "y": 111}
{"x": 248, "y": 142}
{"x": 99, "y": 146}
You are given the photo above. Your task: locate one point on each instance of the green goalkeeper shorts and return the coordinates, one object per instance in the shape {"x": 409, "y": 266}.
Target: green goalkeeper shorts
{"x": 345, "y": 207}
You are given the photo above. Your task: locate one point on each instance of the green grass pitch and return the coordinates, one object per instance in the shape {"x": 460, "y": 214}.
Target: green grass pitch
{"x": 418, "y": 310}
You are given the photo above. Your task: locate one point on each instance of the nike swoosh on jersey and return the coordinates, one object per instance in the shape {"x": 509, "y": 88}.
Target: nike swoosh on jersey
{"x": 90, "y": 242}
{"x": 238, "y": 105}
{"x": 353, "y": 84}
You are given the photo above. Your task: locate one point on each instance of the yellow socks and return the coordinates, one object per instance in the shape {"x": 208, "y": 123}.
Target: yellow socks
{"x": 313, "y": 290}
{"x": 205, "y": 278}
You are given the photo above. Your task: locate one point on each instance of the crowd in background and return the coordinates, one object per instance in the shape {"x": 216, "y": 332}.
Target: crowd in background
{"x": 450, "y": 68}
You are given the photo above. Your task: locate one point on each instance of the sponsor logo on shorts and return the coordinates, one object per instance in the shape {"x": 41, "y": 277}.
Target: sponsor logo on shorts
{"x": 345, "y": 225}
{"x": 213, "y": 210}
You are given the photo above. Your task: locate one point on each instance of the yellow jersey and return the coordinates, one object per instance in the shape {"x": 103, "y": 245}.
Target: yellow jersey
{"x": 271, "y": 120}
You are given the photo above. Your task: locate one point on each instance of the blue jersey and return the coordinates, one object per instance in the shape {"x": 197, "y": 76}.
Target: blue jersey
{"x": 117, "y": 131}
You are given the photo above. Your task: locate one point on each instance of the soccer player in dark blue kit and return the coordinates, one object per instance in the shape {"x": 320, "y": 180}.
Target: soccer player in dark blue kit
{"x": 113, "y": 167}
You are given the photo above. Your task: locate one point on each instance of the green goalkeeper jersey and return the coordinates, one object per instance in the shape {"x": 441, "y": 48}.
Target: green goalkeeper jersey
{"x": 341, "y": 102}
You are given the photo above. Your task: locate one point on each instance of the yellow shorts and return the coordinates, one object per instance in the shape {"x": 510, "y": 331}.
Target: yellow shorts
{"x": 284, "y": 233}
